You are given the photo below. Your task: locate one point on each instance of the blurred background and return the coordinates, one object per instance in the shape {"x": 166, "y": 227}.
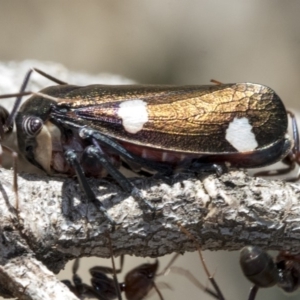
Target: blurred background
{"x": 165, "y": 42}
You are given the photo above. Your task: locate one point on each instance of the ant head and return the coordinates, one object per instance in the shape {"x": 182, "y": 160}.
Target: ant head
{"x": 140, "y": 280}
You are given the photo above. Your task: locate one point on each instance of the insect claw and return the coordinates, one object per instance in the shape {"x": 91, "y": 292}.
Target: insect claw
{"x": 200, "y": 167}
{"x": 220, "y": 169}
{"x": 107, "y": 216}
{"x": 138, "y": 195}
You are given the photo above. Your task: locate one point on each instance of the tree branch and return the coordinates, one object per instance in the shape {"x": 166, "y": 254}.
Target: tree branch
{"x": 55, "y": 223}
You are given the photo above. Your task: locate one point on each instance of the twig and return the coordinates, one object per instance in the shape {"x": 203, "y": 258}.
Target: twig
{"x": 224, "y": 212}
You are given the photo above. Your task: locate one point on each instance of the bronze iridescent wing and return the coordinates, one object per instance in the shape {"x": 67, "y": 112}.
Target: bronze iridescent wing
{"x": 192, "y": 119}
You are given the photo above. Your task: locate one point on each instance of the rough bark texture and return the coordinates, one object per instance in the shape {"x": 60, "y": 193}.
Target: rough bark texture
{"x": 55, "y": 223}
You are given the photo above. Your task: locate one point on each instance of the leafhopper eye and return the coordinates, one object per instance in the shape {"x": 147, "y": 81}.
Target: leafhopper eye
{"x": 32, "y": 125}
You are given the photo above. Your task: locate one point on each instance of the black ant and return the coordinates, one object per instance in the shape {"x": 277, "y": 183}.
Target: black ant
{"x": 137, "y": 283}
{"x": 258, "y": 266}
{"x": 264, "y": 271}
{"x": 80, "y": 289}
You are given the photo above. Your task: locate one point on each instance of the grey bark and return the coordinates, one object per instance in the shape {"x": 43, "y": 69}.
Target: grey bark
{"x": 52, "y": 221}
{"x": 55, "y": 223}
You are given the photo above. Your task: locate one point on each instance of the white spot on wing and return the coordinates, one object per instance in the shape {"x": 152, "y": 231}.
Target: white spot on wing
{"x": 239, "y": 134}
{"x": 133, "y": 114}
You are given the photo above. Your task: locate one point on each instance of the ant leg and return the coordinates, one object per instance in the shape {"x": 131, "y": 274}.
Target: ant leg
{"x": 166, "y": 270}
{"x": 15, "y": 174}
{"x": 4, "y": 96}
{"x": 187, "y": 274}
{"x": 195, "y": 281}
{"x": 17, "y": 103}
{"x": 72, "y": 159}
{"x": 253, "y": 292}
{"x": 117, "y": 285}
{"x": 158, "y": 291}
{"x": 11, "y": 117}
{"x": 76, "y": 279}
{"x": 48, "y": 76}
{"x": 209, "y": 276}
